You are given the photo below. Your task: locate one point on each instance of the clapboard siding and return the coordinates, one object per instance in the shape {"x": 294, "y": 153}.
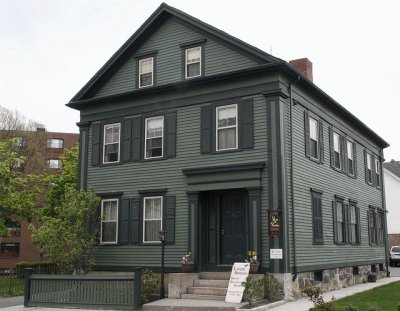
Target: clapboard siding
{"x": 309, "y": 174}
{"x": 129, "y": 178}
{"x": 168, "y": 67}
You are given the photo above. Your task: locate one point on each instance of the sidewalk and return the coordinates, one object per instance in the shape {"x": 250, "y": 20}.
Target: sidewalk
{"x": 298, "y": 305}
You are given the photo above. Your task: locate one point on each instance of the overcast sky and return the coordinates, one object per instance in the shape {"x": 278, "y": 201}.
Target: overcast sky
{"x": 50, "y": 48}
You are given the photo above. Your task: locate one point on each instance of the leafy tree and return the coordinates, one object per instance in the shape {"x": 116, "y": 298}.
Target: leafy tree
{"x": 18, "y": 192}
{"x": 63, "y": 235}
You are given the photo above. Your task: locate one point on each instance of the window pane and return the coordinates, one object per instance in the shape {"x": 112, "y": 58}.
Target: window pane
{"x": 193, "y": 70}
{"x": 227, "y": 138}
{"x": 153, "y": 208}
{"x": 350, "y": 150}
{"x": 193, "y": 55}
{"x": 146, "y": 65}
{"x": 353, "y": 234}
{"x": 111, "y": 153}
{"x": 152, "y": 218}
{"x": 146, "y": 79}
{"x": 226, "y": 116}
{"x": 110, "y": 210}
{"x": 336, "y": 142}
{"x": 314, "y": 149}
{"x": 152, "y": 230}
{"x": 155, "y": 127}
{"x": 109, "y": 231}
{"x": 369, "y": 162}
{"x": 313, "y": 129}
{"x": 55, "y": 143}
{"x": 339, "y": 212}
{"x": 353, "y": 214}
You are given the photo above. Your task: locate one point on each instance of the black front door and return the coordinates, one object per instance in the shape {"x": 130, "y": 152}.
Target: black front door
{"x": 232, "y": 229}
{"x": 224, "y": 228}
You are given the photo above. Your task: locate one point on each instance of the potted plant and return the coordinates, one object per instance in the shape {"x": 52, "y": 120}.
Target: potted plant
{"x": 187, "y": 262}
{"x": 252, "y": 259}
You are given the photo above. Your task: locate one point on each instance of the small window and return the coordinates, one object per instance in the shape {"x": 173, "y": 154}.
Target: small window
{"x": 226, "y": 128}
{"x": 55, "y": 143}
{"x": 350, "y": 158}
{"x": 54, "y": 163}
{"x": 193, "y": 62}
{"x": 372, "y": 226}
{"x": 377, "y": 173}
{"x": 314, "y": 138}
{"x": 339, "y": 222}
{"x": 111, "y": 143}
{"x": 379, "y": 227}
{"x": 337, "y": 156}
{"x": 14, "y": 227}
{"x": 152, "y": 218}
{"x": 9, "y": 250}
{"x": 318, "y": 276}
{"x": 369, "y": 169}
{"x": 316, "y": 199}
{"x": 381, "y": 267}
{"x": 356, "y": 271}
{"x": 146, "y": 68}
{"x": 154, "y": 137}
{"x": 109, "y": 221}
{"x": 19, "y": 142}
{"x": 373, "y": 268}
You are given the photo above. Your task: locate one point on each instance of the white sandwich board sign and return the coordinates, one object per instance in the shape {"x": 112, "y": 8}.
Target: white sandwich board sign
{"x": 239, "y": 274}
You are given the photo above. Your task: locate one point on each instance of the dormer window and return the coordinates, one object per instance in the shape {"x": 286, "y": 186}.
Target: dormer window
{"x": 193, "y": 62}
{"x": 146, "y": 71}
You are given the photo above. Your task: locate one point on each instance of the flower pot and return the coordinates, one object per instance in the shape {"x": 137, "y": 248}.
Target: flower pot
{"x": 254, "y": 268}
{"x": 187, "y": 268}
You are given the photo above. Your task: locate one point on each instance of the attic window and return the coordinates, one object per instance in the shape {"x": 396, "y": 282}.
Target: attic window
{"x": 193, "y": 62}
{"x": 146, "y": 72}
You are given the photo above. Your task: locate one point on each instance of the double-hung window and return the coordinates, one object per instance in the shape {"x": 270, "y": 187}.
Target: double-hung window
{"x": 154, "y": 129}
{"x": 193, "y": 62}
{"x": 54, "y": 163}
{"x": 372, "y": 226}
{"x": 314, "y": 138}
{"x": 377, "y": 173}
{"x": 368, "y": 170}
{"x": 339, "y": 222}
{"x": 109, "y": 221}
{"x": 55, "y": 143}
{"x": 379, "y": 227}
{"x": 353, "y": 223}
{"x": 226, "y": 127}
{"x": 146, "y": 72}
{"x": 350, "y": 158}
{"x": 337, "y": 151}
{"x": 152, "y": 218}
{"x": 111, "y": 143}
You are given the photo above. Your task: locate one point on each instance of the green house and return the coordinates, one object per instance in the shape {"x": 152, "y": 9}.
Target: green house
{"x": 228, "y": 149}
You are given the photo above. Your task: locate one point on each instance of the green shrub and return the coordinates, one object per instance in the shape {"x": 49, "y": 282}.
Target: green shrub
{"x": 150, "y": 283}
{"x": 273, "y": 290}
{"x": 39, "y": 267}
{"x": 253, "y": 290}
{"x": 315, "y": 295}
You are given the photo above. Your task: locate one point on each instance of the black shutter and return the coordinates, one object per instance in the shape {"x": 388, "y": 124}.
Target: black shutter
{"x": 127, "y": 140}
{"x": 347, "y": 224}
{"x": 317, "y": 219}
{"x": 321, "y": 141}
{"x": 123, "y": 224}
{"x": 246, "y": 120}
{"x": 206, "y": 129}
{"x": 307, "y": 133}
{"x": 344, "y": 155}
{"x": 171, "y": 135}
{"x": 358, "y": 226}
{"x": 169, "y": 219}
{"x": 96, "y": 144}
{"x": 369, "y": 214}
{"x": 366, "y": 166}
{"x": 334, "y": 221}
{"x": 331, "y": 147}
{"x": 135, "y": 221}
{"x": 355, "y": 159}
{"x": 136, "y": 138}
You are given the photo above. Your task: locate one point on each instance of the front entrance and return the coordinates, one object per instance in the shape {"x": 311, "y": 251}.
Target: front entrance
{"x": 224, "y": 227}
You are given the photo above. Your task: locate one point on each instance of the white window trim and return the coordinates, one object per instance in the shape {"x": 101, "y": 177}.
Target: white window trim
{"x": 339, "y": 151}
{"x": 186, "y": 62}
{"x": 152, "y": 71}
{"x": 226, "y": 127}
{"x": 116, "y": 221}
{"x": 144, "y": 219}
{"x": 317, "y": 136}
{"x": 104, "y": 142}
{"x": 162, "y": 138}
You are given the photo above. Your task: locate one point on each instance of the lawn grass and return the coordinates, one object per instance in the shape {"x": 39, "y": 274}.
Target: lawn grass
{"x": 383, "y": 298}
{"x": 17, "y": 286}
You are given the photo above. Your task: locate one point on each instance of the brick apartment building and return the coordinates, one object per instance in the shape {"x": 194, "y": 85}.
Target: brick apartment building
{"x": 42, "y": 150}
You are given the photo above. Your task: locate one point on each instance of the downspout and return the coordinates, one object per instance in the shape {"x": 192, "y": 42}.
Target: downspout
{"x": 385, "y": 235}
{"x": 292, "y": 176}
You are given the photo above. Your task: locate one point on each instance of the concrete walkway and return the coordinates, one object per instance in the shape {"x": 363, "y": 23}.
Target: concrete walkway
{"x": 298, "y": 305}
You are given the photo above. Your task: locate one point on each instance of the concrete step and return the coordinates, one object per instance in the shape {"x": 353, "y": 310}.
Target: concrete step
{"x": 215, "y": 275}
{"x": 190, "y": 305}
{"x": 217, "y": 291}
{"x": 211, "y": 283}
{"x": 203, "y": 297}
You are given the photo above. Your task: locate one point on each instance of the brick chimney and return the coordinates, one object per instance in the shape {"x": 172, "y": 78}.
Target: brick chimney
{"x": 304, "y": 66}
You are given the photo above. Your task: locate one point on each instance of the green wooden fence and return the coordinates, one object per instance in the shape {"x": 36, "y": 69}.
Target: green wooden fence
{"x": 94, "y": 292}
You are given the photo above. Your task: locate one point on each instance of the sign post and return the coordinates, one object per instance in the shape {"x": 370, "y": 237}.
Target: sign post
{"x": 239, "y": 274}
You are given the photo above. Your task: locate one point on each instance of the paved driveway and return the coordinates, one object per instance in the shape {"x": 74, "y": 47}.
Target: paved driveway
{"x": 394, "y": 271}
{"x": 12, "y": 301}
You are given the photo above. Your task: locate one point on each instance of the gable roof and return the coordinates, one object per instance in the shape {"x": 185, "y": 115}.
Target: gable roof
{"x": 393, "y": 166}
{"x": 150, "y": 25}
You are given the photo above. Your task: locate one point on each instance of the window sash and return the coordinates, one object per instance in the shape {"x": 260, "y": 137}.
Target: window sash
{"x": 377, "y": 173}
{"x": 152, "y": 219}
{"x": 146, "y": 71}
{"x": 337, "y": 151}
{"x": 340, "y": 228}
{"x": 226, "y": 127}
{"x": 109, "y": 221}
{"x": 55, "y": 143}
{"x": 154, "y": 137}
{"x": 314, "y": 138}
{"x": 350, "y": 157}
{"x": 112, "y": 137}
{"x": 193, "y": 62}
{"x": 54, "y": 163}
{"x": 372, "y": 227}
